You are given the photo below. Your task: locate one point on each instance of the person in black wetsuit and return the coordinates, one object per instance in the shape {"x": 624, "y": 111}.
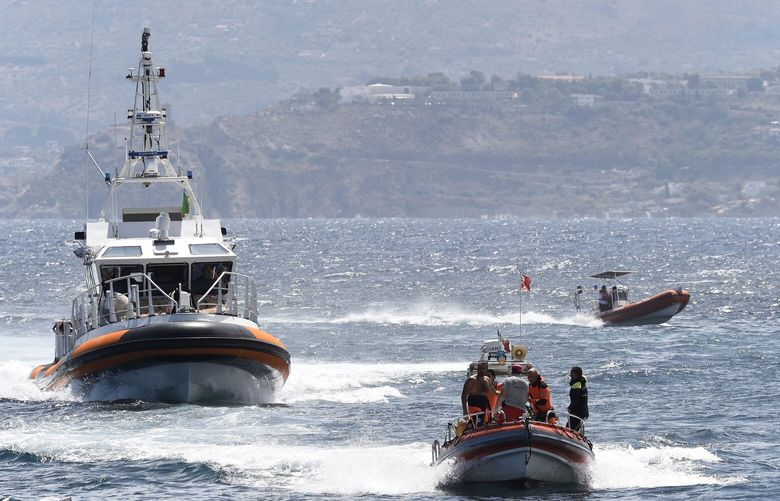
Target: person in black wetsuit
{"x": 474, "y": 397}
{"x": 578, "y": 396}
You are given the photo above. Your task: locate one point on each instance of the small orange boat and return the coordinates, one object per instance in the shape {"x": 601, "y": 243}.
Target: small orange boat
{"x": 506, "y": 449}
{"x": 515, "y": 451}
{"x": 617, "y": 310}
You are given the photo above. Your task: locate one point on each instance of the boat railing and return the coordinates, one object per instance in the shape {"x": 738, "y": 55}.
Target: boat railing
{"x": 571, "y": 417}
{"x": 119, "y": 299}
{"x": 232, "y": 294}
{"x": 580, "y": 302}
{"x": 457, "y": 427}
{"x": 435, "y": 451}
{"x": 138, "y": 295}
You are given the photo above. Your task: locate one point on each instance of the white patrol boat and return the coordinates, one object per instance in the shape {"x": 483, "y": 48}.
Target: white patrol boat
{"x": 165, "y": 316}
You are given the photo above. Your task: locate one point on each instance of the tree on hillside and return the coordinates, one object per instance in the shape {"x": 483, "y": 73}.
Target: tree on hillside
{"x": 523, "y": 81}
{"x": 325, "y": 98}
{"x": 755, "y": 84}
{"x": 473, "y": 81}
{"x": 496, "y": 83}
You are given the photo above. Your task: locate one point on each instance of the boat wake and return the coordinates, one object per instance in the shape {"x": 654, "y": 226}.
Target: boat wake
{"x": 18, "y": 387}
{"x": 346, "y": 471}
{"x": 352, "y": 383}
{"x": 358, "y": 469}
{"x": 626, "y": 467}
{"x": 435, "y": 316}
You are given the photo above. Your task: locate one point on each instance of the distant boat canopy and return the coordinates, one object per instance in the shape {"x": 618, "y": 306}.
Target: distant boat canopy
{"x": 610, "y": 275}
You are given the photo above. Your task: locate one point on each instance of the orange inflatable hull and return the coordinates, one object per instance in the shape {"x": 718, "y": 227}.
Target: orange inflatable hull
{"x": 656, "y": 309}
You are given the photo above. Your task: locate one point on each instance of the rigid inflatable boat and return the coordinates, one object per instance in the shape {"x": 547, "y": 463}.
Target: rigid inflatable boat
{"x": 511, "y": 450}
{"x": 615, "y": 308}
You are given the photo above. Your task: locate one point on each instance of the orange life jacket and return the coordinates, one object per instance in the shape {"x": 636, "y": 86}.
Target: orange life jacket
{"x": 539, "y": 397}
{"x": 493, "y": 397}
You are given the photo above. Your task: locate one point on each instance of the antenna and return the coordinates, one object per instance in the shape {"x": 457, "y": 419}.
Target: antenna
{"x": 86, "y": 135}
{"x": 116, "y": 172}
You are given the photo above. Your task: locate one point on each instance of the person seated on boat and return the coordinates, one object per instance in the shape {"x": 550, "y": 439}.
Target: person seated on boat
{"x": 492, "y": 376}
{"x": 475, "y": 394}
{"x": 605, "y": 300}
{"x": 578, "y": 397}
{"x": 539, "y": 398}
{"x": 513, "y": 396}
{"x": 496, "y": 385}
{"x": 203, "y": 277}
{"x": 123, "y": 307}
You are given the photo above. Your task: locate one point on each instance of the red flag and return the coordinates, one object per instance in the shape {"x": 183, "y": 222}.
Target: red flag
{"x": 525, "y": 283}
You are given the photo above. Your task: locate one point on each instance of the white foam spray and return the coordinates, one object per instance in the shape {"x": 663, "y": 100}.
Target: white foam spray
{"x": 434, "y": 316}
{"x": 623, "y": 467}
{"x": 359, "y": 382}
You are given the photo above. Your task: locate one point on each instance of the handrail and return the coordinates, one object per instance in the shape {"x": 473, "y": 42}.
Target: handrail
{"x": 467, "y": 417}
{"x": 568, "y": 415}
{"x": 94, "y": 308}
{"x": 435, "y": 451}
{"x": 101, "y": 304}
{"x": 218, "y": 281}
{"x": 228, "y": 296}
{"x": 448, "y": 436}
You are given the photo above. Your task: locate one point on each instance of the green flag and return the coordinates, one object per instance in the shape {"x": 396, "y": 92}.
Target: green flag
{"x": 185, "y": 205}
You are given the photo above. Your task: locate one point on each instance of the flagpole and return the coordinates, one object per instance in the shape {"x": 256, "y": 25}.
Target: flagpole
{"x": 521, "y": 312}
{"x": 525, "y": 285}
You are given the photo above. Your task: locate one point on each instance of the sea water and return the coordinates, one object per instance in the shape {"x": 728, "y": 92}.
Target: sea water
{"x": 381, "y": 318}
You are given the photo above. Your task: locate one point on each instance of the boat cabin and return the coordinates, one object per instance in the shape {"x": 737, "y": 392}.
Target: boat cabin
{"x": 139, "y": 268}
{"x": 617, "y": 293}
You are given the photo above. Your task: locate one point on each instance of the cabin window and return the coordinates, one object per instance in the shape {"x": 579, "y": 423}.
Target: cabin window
{"x": 168, "y": 276}
{"x": 123, "y": 251}
{"x": 207, "y": 249}
{"x": 108, "y": 273}
{"x": 205, "y": 274}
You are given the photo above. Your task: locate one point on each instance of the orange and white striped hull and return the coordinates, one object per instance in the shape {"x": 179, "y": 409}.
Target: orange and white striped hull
{"x": 518, "y": 452}
{"x": 655, "y": 309}
{"x": 181, "y": 359}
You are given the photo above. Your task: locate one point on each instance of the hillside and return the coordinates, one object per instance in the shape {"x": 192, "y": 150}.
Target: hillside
{"x": 543, "y": 159}
{"x": 231, "y": 56}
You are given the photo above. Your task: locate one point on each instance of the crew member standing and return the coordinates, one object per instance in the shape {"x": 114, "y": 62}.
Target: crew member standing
{"x": 514, "y": 395}
{"x": 578, "y": 396}
{"x": 539, "y": 397}
{"x": 605, "y": 300}
{"x": 476, "y": 392}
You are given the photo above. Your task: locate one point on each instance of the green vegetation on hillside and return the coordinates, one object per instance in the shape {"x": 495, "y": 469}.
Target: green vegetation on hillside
{"x": 526, "y": 146}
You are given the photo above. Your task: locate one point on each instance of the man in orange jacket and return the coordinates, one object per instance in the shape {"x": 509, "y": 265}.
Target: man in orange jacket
{"x": 539, "y": 397}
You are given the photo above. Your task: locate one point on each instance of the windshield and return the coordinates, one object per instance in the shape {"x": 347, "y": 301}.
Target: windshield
{"x": 205, "y": 274}
{"x": 168, "y": 276}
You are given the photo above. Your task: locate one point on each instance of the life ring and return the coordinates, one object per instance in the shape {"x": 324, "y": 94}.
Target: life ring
{"x": 519, "y": 352}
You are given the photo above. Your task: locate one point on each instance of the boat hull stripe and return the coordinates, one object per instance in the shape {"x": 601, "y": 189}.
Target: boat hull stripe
{"x": 92, "y": 344}
{"x": 265, "y": 337}
{"x": 272, "y": 360}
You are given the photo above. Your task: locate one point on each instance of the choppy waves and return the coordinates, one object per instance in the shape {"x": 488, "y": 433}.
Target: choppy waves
{"x": 434, "y": 316}
{"x": 352, "y": 383}
{"x": 625, "y": 467}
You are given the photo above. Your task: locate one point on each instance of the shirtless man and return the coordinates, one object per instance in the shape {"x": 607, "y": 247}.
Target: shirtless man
{"x": 476, "y": 389}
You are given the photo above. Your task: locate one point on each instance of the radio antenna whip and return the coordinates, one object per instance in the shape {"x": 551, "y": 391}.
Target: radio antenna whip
{"x": 86, "y": 136}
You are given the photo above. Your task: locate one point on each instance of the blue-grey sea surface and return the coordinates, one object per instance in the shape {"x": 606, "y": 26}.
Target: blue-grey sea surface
{"x": 381, "y": 318}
